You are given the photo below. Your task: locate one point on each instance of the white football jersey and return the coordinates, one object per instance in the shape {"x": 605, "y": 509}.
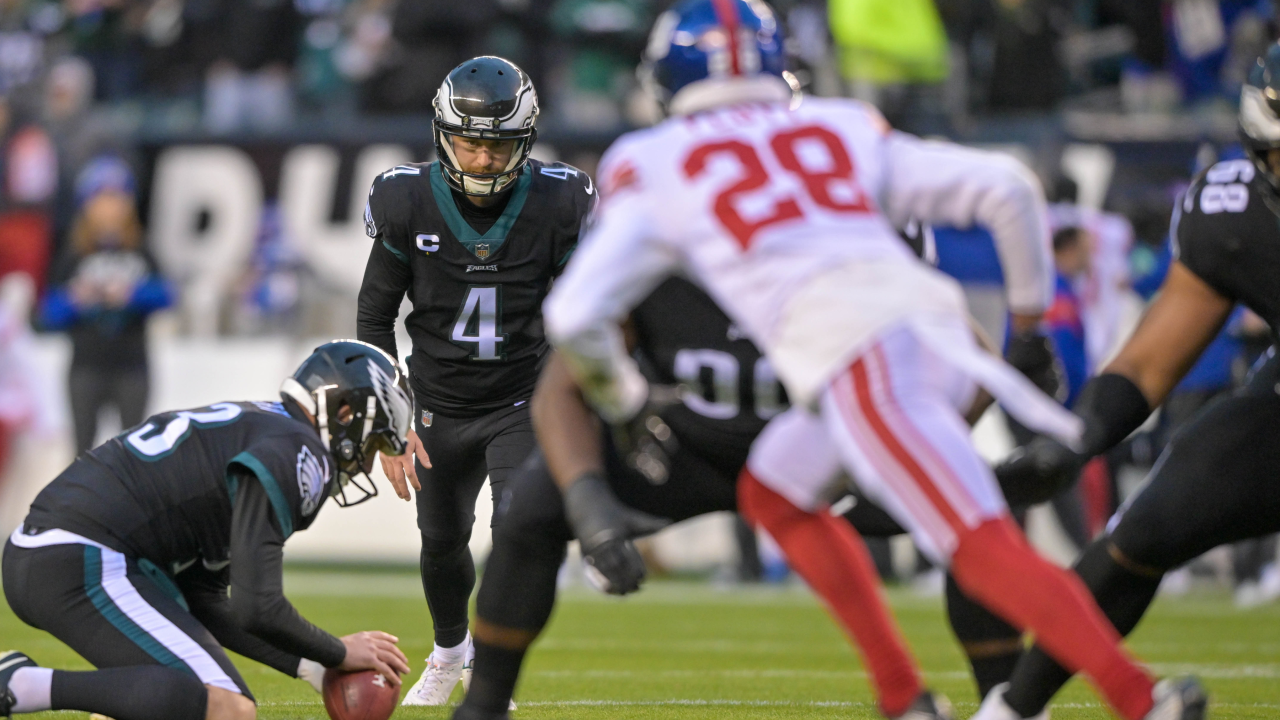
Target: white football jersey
{"x": 787, "y": 217}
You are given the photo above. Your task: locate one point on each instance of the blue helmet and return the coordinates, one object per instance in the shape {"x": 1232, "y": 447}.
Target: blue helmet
{"x": 711, "y": 39}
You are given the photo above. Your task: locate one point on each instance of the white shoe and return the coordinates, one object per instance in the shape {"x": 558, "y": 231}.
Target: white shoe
{"x": 1181, "y": 698}
{"x": 467, "y": 663}
{"x": 995, "y": 708}
{"x": 436, "y": 684}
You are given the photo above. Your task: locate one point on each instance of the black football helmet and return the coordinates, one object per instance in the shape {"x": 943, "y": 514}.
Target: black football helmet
{"x": 359, "y": 401}
{"x": 490, "y": 98}
{"x": 1260, "y": 114}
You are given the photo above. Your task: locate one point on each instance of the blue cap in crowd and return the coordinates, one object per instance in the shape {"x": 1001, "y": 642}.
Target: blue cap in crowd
{"x": 103, "y": 173}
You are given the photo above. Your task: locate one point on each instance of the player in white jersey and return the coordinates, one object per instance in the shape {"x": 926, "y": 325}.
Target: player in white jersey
{"x": 785, "y": 212}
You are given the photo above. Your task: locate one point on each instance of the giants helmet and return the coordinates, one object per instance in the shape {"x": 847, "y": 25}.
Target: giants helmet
{"x": 1260, "y": 114}
{"x": 490, "y": 98}
{"x": 359, "y": 401}
{"x": 703, "y": 53}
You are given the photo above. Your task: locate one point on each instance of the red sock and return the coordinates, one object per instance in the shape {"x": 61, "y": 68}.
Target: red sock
{"x": 994, "y": 565}
{"x": 832, "y": 558}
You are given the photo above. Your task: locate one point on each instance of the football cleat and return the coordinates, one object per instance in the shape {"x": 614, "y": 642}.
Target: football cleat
{"x": 10, "y": 662}
{"x": 928, "y": 706}
{"x": 468, "y": 663}
{"x": 468, "y": 712}
{"x": 995, "y": 708}
{"x": 436, "y": 684}
{"x": 1181, "y": 698}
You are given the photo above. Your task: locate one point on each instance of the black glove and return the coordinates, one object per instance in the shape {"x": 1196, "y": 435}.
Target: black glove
{"x": 645, "y": 441}
{"x": 605, "y": 527}
{"x": 1032, "y": 354}
{"x": 1038, "y": 471}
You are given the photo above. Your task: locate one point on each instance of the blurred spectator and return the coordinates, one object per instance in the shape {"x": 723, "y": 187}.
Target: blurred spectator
{"x": 105, "y": 288}
{"x": 249, "y": 85}
{"x": 428, "y": 39}
{"x": 29, "y": 170}
{"x": 23, "y": 404}
{"x": 886, "y": 50}
{"x": 1064, "y": 318}
{"x": 106, "y": 33}
{"x": 601, "y": 42}
{"x": 24, "y": 28}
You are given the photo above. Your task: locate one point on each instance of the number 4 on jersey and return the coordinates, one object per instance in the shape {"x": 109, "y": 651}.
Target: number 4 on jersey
{"x": 479, "y": 323}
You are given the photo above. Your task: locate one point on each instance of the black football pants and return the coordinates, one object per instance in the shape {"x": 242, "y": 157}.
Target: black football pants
{"x": 463, "y": 452}
{"x": 1217, "y": 482}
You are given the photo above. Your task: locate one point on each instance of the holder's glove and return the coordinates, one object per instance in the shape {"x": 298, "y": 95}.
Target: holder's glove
{"x": 605, "y": 527}
{"x": 645, "y": 441}
{"x": 1032, "y": 354}
{"x": 1037, "y": 471}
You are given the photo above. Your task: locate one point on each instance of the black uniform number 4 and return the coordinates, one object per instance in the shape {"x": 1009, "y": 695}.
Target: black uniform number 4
{"x": 479, "y": 323}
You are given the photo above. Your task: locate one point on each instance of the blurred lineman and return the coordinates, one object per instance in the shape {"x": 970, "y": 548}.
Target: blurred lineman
{"x": 128, "y": 555}
{"x": 1216, "y": 481}
{"x": 475, "y": 240}
{"x": 786, "y": 215}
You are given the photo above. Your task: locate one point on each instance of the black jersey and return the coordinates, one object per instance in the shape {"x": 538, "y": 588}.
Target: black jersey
{"x": 164, "y": 490}
{"x": 1227, "y": 232}
{"x": 735, "y": 391}
{"x": 476, "y": 323}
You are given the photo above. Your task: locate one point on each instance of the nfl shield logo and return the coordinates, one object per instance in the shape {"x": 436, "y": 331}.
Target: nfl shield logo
{"x": 482, "y": 250}
{"x": 426, "y": 418}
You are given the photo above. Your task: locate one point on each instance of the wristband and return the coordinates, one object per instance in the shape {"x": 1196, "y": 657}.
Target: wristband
{"x": 1112, "y": 407}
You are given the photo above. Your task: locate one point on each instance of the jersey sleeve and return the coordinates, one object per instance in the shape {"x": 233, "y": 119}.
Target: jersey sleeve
{"x": 577, "y": 198}
{"x": 1196, "y": 243}
{"x": 296, "y": 473}
{"x": 946, "y": 184}
{"x": 385, "y": 211}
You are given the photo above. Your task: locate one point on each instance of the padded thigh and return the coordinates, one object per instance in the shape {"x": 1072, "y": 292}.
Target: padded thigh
{"x": 1217, "y": 482}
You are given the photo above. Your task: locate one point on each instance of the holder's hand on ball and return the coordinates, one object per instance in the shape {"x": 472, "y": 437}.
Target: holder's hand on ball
{"x": 373, "y": 650}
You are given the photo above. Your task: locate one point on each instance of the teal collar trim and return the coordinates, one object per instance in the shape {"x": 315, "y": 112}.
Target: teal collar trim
{"x": 268, "y": 481}
{"x": 461, "y": 230}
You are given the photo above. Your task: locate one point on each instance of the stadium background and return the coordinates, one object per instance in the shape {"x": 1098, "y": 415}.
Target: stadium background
{"x": 254, "y": 127}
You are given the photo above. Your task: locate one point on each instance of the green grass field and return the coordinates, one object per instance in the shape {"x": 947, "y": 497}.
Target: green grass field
{"x": 684, "y": 650}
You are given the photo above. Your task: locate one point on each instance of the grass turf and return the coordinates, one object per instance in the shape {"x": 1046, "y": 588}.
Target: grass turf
{"x": 683, "y": 650}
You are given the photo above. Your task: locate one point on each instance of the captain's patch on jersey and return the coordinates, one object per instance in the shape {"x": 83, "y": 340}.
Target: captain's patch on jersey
{"x": 312, "y": 475}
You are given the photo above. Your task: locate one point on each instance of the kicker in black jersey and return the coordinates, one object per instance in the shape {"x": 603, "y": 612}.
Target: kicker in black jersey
{"x": 476, "y": 322}
{"x": 1227, "y": 232}
{"x": 165, "y": 489}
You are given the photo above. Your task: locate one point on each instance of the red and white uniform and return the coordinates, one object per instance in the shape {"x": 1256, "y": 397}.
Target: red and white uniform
{"x": 787, "y": 217}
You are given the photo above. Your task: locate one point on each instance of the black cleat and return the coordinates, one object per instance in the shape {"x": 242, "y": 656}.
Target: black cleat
{"x": 470, "y": 712}
{"x": 9, "y": 663}
{"x": 928, "y": 706}
{"x": 1181, "y": 698}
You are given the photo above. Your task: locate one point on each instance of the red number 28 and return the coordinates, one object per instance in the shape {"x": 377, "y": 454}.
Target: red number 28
{"x": 818, "y": 182}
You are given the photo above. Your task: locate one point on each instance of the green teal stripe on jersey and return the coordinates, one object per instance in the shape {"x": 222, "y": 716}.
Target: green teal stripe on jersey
{"x": 567, "y": 255}
{"x": 278, "y": 501}
{"x": 114, "y": 615}
{"x": 399, "y": 255}
{"x": 163, "y": 581}
{"x": 463, "y": 231}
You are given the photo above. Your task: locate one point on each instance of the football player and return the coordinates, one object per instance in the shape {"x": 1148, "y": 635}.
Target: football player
{"x": 128, "y": 555}
{"x": 1215, "y": 483}
{"x": 474, "y": 239}
{"x": 785, "y": 214}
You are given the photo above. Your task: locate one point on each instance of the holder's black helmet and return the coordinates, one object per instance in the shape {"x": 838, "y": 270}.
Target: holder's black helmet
{"x": 1260, "y": 114}
{"x": 489, "y": 98}
{"x": 359, "y": 401}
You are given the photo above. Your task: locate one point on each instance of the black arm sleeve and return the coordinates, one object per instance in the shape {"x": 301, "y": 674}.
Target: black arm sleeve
{"x": 387, "y": 277}
{"x": 206, "y": 593}
{"x": 258, "y": 603}
{"x": 1112, "y": 407}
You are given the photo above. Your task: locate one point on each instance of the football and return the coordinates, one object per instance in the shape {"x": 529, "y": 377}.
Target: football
{"x": 364, "y": 695}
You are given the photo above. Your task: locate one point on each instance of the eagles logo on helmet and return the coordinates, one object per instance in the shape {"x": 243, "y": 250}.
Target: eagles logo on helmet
{"x": 1260, "y": 115}
{"x": 358, "y": 400}
{"x": 487, "y": 98}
